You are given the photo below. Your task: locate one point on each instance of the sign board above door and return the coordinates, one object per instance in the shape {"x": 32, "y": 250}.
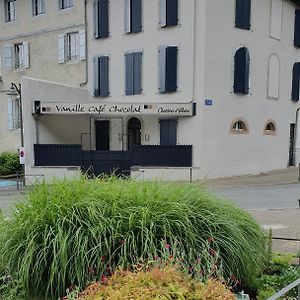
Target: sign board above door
{"x": 120, "y": 109}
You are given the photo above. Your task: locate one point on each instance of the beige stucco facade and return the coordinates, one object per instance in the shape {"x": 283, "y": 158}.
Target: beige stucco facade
{"x": 41, "y": 33}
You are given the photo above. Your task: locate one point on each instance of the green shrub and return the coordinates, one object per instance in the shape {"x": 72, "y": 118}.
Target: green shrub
{"x": 55, "y": 238}
{"x": 9, "y": 163}
{"x": 157, "y": 283}
{"x": 278, "y": 274}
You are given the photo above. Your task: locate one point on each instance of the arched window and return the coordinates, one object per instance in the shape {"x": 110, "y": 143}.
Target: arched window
{"x": 295, "y": 83}
{"x": 239, "y": 126}
{"x": 273, "y": 77}
{"x": 241, "y": 71}
{"x": 270, "y": 128}
{"x": 243, "y": 14}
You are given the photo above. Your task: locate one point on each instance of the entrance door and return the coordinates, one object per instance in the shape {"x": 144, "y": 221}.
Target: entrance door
{"x": 168, "y": 132}
{"x": 292, "y": 145}
{"x": 134, "y": 132}
{"x": 102, "y": 135}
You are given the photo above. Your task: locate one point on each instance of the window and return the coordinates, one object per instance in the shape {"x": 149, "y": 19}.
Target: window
{"x": 10, "y": 10}
{"x": 63, "y": 4}
{"x": 295, "y": 81}
{"x": 167, "y": 59}
{"x": 168, "y": 13}
{"x": 239, "y": 126}
{"x": 133, "y": 76}
{"x": 276, "y": 19}
{"x": 168, "y": 132}
{"x": 243, "y": 14}
{"x": 273, "y": 77}
{"x": 16, "y": 56}
{"x": 101, "y": 19}
{"x": 13, "y": 114}
{"x": 38, "y": 7}
{"x": 297, "y": 29}
{"x": 133, "y": 16}
{"x": 241, "y": 71}
{"x": 101, "y": 76}
{"x": 71, "y": 46}
{"x": 270, "y": 128}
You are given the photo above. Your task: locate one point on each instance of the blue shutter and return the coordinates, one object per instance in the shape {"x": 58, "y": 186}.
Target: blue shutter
{"x": 104, "y": 76}
{"x": 101, "y": 19}
{"x": 96, "y": 77}
{"x": 172, "y": 12}
{"x": 243, "y": 14}
{"x": 137, "y": 73}
{"x": 168, "y": 132}
{"x": 129, "y": 74}
{"x": 241, "y": 71}
{"x": 297, "y": 29}
{"x": 171, "y": 69}
{"x": 136, "y": 15}
{"x": 295, "y": 82}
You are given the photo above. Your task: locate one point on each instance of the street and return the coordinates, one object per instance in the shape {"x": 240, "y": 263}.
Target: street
{"x": 261, "y": 197}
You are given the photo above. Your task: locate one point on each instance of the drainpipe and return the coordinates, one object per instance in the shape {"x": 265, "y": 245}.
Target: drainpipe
{"x": 86, "y": 45}
{"x": 297, "y": 138}
{"x": 194, "y": 52}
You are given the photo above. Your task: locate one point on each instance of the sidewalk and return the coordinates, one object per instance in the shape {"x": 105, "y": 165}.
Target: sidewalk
{"x": 285, "y": 223}
{"x": 284, "y": 176}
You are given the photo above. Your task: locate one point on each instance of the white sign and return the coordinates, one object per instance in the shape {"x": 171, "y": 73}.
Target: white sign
{"x": 107, "y": 109}
{"x": 22, "y": 156}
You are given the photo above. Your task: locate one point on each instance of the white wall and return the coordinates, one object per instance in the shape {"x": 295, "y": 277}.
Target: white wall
{"x": 225, "y": 154}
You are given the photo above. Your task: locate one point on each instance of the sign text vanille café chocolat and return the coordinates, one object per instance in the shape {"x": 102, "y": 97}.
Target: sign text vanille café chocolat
{"x": 178, "y": 109}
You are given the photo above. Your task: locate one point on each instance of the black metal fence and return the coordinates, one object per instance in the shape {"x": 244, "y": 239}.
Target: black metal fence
{"x": 162, "y": 156}
{"x": 57, "y": 155}
{"x": 108, "y": 162}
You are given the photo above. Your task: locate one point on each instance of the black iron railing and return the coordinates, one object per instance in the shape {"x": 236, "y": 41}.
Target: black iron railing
{"x": 57, "y": 155}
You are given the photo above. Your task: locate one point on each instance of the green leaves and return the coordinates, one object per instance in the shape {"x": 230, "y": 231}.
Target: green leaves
{"x": 59, "y": 236}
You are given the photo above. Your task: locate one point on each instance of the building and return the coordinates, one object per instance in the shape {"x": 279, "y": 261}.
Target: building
{"x": 40, "y": 39}
{"x": 177, "y": 90}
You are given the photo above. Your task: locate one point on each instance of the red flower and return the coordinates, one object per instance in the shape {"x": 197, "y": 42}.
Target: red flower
{"x": 103, "y": 258}
{"x": 168, "y": 246}
{"x": 212, "y": 252}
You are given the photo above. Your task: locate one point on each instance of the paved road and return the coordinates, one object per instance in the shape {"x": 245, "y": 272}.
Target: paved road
{"x": 7, "y": 198}
{"x": 261, "y": 197}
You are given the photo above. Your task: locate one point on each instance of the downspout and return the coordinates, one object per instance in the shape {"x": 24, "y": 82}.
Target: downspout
{"x": 86, "y": 46}
{"x": 297, "y": 139}
{"x": 194, "y": 53}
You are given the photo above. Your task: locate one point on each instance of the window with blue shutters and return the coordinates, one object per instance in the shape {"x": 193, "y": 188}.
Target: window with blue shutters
{"x": 133, "y": 73}
{"x": 168, "y": 13}
{"x": 101, "y": 19}
{"x": 243, "y": 14}
{"x": 168, "y": 57}
{"x": 133, "y": 16}
{"x": 295, "y": 81}
{"x": 241, "y": 71}
{"x": 101, "y": 76}
{"x": 297, "y": 29}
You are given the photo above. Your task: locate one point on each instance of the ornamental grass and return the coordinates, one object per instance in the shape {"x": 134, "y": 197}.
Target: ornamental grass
{"x": 73, "y": 231}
